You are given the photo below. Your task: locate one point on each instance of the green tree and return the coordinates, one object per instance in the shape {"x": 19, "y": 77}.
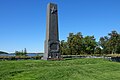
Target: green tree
{"x": 25, "y": 51}
{"x": 64, "y": 50}
{"x": 98, "y": 50}
{"x": 89, "y": 44}
{"x": 21, "y": 53}
{"x": 113, "y": 41}
{"x": 110, "y": 43}
{"x": 70, "y": 43}
{"x": 103, "y": 42}
{"x": 75, "y": 43}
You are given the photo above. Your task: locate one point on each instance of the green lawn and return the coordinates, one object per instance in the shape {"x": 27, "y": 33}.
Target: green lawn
{"x": 77, "y": 69}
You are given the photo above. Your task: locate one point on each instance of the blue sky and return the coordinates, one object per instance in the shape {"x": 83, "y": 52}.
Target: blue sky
{"x": 23, "y": 22}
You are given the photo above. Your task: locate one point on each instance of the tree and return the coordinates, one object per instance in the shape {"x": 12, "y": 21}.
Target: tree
{"x": 89, "y": 44}
{"x": 70, "y": 43}
{"x": 75, "y": 43}
{"x": 103, "y": 42}
{"x": 110, "y": 43}
{"x": 64, "y": 48}
{"x": 97, "y": 50}
{"x": 21, "y": 53}
{"x": 113, "y": 41}
{"x": 25, "y": 51}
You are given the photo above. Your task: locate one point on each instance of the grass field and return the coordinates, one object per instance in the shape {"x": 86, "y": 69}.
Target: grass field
{"x": 77, "y": 69}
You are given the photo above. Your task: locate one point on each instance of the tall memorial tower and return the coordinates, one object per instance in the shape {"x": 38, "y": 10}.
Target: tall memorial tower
{"x": 52, "y": 46}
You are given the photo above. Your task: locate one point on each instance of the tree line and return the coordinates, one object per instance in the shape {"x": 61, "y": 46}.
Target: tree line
{"x": 21, "y": 53}
{"x": 77, "y": 44}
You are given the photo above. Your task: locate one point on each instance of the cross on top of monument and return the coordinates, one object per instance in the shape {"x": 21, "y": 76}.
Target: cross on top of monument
{"x": 53, "y": 10}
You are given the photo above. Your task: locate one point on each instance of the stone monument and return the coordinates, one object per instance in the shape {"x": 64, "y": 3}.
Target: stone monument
{"x": 52, "y": 46}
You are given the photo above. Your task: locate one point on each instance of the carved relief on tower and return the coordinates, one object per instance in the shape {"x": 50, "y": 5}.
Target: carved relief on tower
{"x": 53, "y": 10}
